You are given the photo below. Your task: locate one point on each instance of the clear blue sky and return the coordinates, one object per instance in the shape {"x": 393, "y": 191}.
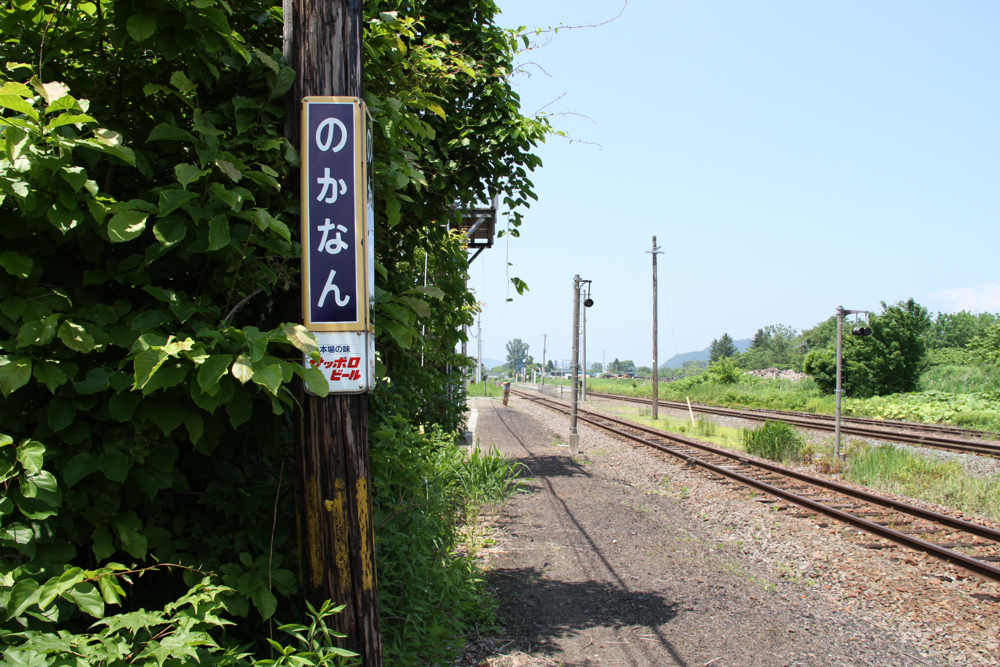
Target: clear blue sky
{"x": 789, "y": 156}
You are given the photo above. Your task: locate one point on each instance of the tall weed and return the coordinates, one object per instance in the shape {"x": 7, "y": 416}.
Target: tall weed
{"x": 896, "y": 470}
{"x": 431, "y": 591}
{"x": 776, "y": 441}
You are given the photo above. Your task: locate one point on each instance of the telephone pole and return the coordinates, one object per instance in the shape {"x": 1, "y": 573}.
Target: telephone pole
{"x": 656, "y": 371}
{"x": 323, "y": 43}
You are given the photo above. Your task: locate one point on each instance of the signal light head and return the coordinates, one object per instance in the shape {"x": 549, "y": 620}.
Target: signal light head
{"x": 588, "y": 302}
{"x": 862, "y": 331}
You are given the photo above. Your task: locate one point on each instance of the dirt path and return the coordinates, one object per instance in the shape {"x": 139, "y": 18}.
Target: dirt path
{"x": 595, "y": 569}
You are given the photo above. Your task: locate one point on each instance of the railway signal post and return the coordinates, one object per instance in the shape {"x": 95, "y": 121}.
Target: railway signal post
{"x": 574, "y": 436}
{"x": 656, "y": 371}
{"x": 839, "y": 391}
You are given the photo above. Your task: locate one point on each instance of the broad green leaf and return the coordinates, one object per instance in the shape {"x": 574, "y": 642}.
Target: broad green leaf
{"x": 392, "y": 211}
{"x": 114, "y": 465}
{"x": 239, "y": 407}
{"x": 316, "y": 381}
{"x": 110, "y": 590}
{"x": 75, "y": 337}
{"x": 267, "y": 60}
{"x": 168, "y": 415}
{"x": 242, "y": 369}
{"x": 103, "y": 545}
{"x": 180, "y": 81}
{"x": 78, "y": 467}
{"x": 195, "y": 426}
{"x": 16, "y": 103}
{"x": 51, "y": 374}
{"x": 16, "y": 264}
{"x": 61, "y": 413}
{"x": 13, "y": 307}
{"x": 218, "y": 233}
{"x": 141, "y": 26}
{"x": 257, "y": 342}
{"x": 188, "y": 173}
{"x": 419, "y": 306}
{"x": 31, "y": 454}
{"x": 213, "y": 369}
{"x": 123, "y": 404}
{"x": 167, "y": 132}
{"x": 283, "y": 82}
{"x": 268, "y": 376}
{"x": 127, "y": 225}
{"x": 86, "y": 596}
{"x": 38, "y": 332}
{"x": 23, "y": 595}
{"x": 50, "y": 92}
{"x": 401, "y": 333}
{"x": 265, "y": 602}
{"x": 430, "y": 290}
{"x": 98, "y": 379}
{"x": 171, "y": 199}
{"x": 14, "y": 374}
{"x": 301, "y": 338}
{"x": 170, "y": 231}
{"x": 132, "y": 540}
{"x": 42, "y": 486}
{"x": 70, "y": 118}
{"x": 229, "y": 169}
{"x": 146, "y": 364}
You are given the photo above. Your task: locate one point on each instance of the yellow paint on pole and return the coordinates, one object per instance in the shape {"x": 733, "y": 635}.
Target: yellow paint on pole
{"x": 315, "y": 546}
{"x": 364, "y": 521}
{"x": 690, "y": 411}
{"x": 341, "y": 538}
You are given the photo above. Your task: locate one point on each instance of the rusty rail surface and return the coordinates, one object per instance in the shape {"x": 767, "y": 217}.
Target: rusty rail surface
{"x": 675, "y": 445}
{"x": 849, "y": 426}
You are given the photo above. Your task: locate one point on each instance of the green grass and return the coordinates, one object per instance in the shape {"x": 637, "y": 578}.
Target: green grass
{"x": 773, "y": 440}
{"x": 888, "y": 468}
{"x": 961, "y": 379}
{"x": 485, "y": 389}
{"x": 749, "y": 392}
{"x": 706, "y": 430}
{"x": 975, "y": 410}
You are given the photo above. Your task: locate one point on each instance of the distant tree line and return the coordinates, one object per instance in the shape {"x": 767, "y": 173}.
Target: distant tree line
{"x": 906, "y": 340}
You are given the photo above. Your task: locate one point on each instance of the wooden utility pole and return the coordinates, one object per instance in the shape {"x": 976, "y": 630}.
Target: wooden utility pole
{"x": 323, "y": 42}
{"x": 656, "y": 371}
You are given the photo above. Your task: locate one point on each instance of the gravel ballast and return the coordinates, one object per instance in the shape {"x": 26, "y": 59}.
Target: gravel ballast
{"x": 620, "y": 556}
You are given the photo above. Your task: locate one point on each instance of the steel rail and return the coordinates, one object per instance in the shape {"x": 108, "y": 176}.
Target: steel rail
{"x": 818, "y": 424}
{"x": 970, "y": 563}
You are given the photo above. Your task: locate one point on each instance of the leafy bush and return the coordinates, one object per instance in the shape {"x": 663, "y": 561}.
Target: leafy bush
{"x": 929, "y": 406}
{"x": 434, "y": 591}
{"x": 725, "y": 371}
{"x": 776, "y": 441}
{"x": 178, "y": 635}
{"x": 887, "y": 362}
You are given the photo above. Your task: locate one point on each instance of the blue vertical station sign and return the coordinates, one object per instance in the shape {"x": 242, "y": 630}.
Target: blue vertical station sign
{"x": 335, "y": 237}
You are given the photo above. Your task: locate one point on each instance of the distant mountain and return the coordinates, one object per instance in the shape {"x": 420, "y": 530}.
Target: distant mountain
{"x": 678, "y": 360}
{"x": 492, "y": 363}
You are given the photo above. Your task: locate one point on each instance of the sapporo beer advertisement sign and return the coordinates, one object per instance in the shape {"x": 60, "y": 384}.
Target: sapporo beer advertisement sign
{"x": 336, "y": 239}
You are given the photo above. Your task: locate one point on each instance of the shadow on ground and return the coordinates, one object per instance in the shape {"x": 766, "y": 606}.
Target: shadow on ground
{"x": 538, "y": 611}
{"x": 554, "y": 465}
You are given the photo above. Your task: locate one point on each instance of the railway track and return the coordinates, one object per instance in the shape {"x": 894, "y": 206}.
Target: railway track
{"x": 924, "y": 435}
{"x": 972, "y": 546}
